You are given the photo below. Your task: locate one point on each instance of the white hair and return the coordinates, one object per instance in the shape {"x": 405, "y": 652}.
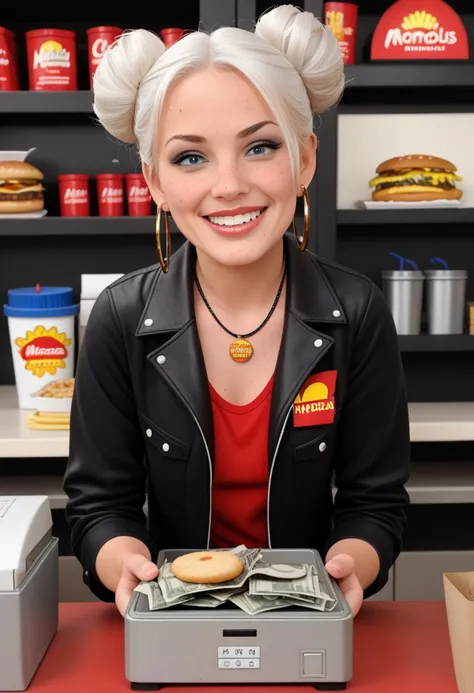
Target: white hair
{"x": 292, "y": 59}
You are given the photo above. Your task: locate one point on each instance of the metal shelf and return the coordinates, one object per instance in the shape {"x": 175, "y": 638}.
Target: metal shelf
{"x": 370, "y": 76}
{"x": 430, "y": 342}
{"x": 374, "y": 217}
{"x": 46, "y": 102}
{"x": 80, "y": 226}
{"x": 414, "y": 75}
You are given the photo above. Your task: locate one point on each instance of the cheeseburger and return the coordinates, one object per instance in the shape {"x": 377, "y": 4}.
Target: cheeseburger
{"x": 20, "y": 188}
{"x": 415, "y": 177}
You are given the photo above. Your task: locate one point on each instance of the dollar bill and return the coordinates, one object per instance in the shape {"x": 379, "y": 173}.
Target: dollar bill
{"x": 256, "y": 605}
{"x": 308, "y": 585}
{"x": 155, "y": 597}
{"x": 262, "y": 586}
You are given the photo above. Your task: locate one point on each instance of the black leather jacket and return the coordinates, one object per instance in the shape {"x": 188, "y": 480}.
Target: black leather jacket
{"x": 141, "y": 420}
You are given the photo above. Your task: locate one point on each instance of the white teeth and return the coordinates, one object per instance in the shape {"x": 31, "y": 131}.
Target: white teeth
{"x": 235, "y": 221}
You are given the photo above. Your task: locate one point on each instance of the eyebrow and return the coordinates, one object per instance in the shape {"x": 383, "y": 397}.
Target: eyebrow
{"x": 198, "y": 139}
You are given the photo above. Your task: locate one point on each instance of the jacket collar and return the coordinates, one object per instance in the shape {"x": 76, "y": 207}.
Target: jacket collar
{"x": 170, "y": 304}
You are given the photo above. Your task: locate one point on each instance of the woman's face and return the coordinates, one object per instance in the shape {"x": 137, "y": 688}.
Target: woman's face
{"x": 222, "y": 168}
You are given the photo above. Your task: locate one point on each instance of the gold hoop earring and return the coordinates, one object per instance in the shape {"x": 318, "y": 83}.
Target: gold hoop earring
{"x": 302, "y": 245}
{"x": 165, "y": 262}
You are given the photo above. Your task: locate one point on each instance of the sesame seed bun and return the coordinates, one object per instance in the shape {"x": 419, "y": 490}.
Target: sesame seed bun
{"x": 415, "y": 161}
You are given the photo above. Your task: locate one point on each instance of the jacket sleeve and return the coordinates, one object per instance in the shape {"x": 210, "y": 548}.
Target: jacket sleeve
{"x": 372, "y": 455}
{"x": 105, "y": 476}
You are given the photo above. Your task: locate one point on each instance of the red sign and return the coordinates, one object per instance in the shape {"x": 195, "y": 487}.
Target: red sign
{"x": 43, "y": 348}
{"x": 420, "y": 30}
{"x": 314, "y": 404}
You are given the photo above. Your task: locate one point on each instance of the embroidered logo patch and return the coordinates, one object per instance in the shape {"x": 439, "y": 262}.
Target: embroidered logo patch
{"x": 314, "y": 404}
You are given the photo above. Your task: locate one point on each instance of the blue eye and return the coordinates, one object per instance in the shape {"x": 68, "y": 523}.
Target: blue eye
{"x": 263, "y": 148}
{"x": 191, "y": 159}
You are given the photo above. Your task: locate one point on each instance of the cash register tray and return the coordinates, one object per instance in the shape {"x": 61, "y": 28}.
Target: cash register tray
{"x": 181, "y": 644}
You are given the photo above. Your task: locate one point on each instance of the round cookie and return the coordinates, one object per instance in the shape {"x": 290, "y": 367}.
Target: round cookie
{"x": 207, "y": 566}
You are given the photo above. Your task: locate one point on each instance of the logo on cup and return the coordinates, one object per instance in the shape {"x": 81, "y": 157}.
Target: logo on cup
{"x": 44, "y": 351}
{"x": 138, "y": 193}
{"x": 98, "y": 48}
{"x": 112, "y": 194}
{"x": 73, "y": 196}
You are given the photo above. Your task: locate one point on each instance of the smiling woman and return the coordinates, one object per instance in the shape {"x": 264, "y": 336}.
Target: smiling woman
{"x": 231, "y": 381}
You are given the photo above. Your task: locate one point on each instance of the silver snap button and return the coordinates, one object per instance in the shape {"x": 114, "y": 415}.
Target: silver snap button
{"x": 336, "y": 313}
{"x": 148, "y": 432}
{"x": 165, "y": 447}
{"x": 161, "y": 359}
{"x": 148, "y": 322}
{"x": 322, "y": 447}
{"x": 318, "y": 343}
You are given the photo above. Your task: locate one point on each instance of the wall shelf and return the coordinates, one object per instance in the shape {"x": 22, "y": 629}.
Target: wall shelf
{"x": 430, "y": 483}
{"x": 377, "y": 217}
{"x": 46, "y": 102}
{"x": 410, "y": 75}
{"x": 369, "y": 76}
{"x": 429, "y": 422}
{"x": 80, "y": 226}
{"x": 430, "y": 342}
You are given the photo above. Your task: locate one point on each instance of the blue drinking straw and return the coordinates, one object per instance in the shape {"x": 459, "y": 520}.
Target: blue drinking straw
{"x": 441, "y": 262}
{"x": 402, "y": 261}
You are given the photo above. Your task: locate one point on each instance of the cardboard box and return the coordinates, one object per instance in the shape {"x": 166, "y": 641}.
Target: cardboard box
{"x": 459, "y": 597}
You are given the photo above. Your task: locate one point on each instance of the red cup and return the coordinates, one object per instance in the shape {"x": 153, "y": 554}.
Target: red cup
{"x": 138, "y": 195}
{"x": 99, "y": 38}
{"x": 74, "y": 194}
{"x": 52, "y": 64}
{"x": 170, "y": 36}
{"x": 8, "y": 61}
{"x": 341, "y": 18}
{"x": 110, "y": 194}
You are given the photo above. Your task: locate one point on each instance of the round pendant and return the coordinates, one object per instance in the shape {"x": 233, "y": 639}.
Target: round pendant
{"x": 241, "y": 351}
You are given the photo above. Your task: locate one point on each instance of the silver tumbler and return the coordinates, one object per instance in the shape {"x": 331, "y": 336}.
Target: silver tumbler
{"x": 446, "y": 295}
{"x": 404, "y": 292}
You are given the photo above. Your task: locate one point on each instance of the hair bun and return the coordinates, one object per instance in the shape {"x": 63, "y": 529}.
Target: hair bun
{"x": 311, "y": 48}
{"x": 116, "y": 81}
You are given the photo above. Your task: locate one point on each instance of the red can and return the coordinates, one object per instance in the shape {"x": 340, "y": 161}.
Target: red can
{"x": 99, "y": 38}
{"x": 341, "y": 18}
{"x": 8, "y": 61}
{"x": 138, "y": 195}
{"x": 74, "y": 194}
{"x": 170, "y": 36}
{"x": 110, "y": 194}
{"x": 52, "y": 64}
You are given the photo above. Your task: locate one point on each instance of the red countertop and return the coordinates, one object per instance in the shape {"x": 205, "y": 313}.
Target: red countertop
{"x": 399, "y": 647}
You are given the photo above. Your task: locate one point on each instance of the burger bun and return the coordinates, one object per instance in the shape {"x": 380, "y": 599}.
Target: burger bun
{"x": 20, "y": 206}
{"x": 415, "y": 161}
{"x": 392, "y": 194}
{"x": 19, "y": 170}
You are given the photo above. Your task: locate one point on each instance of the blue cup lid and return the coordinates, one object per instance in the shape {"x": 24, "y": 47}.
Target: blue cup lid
{"x": 40, "y": 301}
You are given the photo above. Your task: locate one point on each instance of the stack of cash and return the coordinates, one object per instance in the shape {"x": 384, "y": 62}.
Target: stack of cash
{"x": 261, "y": 586}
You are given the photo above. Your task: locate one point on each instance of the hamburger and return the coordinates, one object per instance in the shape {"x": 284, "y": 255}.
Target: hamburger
{"x": 415, "y": 177}
{"x": 21, "y": 188}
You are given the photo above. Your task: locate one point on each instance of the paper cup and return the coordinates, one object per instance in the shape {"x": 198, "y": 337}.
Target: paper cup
{"x": 110, "y": 194}
{"x": 341, "y": 18}
{"x": 41, "y": 324}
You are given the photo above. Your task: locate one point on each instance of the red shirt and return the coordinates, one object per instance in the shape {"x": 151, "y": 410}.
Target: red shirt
{"x": 239, "y": 494}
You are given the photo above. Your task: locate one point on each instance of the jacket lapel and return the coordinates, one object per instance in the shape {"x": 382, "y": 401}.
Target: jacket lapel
{"x": 310, "y": 301}
{"x": 179, "y": 360}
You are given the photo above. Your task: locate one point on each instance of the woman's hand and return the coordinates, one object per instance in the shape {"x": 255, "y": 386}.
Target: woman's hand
{"x": 342, "y": 568}
{"x": 135, "y": 568}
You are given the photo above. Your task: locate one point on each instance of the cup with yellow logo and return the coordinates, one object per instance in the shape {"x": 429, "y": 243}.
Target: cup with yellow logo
{"x": 41, "y": 323}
